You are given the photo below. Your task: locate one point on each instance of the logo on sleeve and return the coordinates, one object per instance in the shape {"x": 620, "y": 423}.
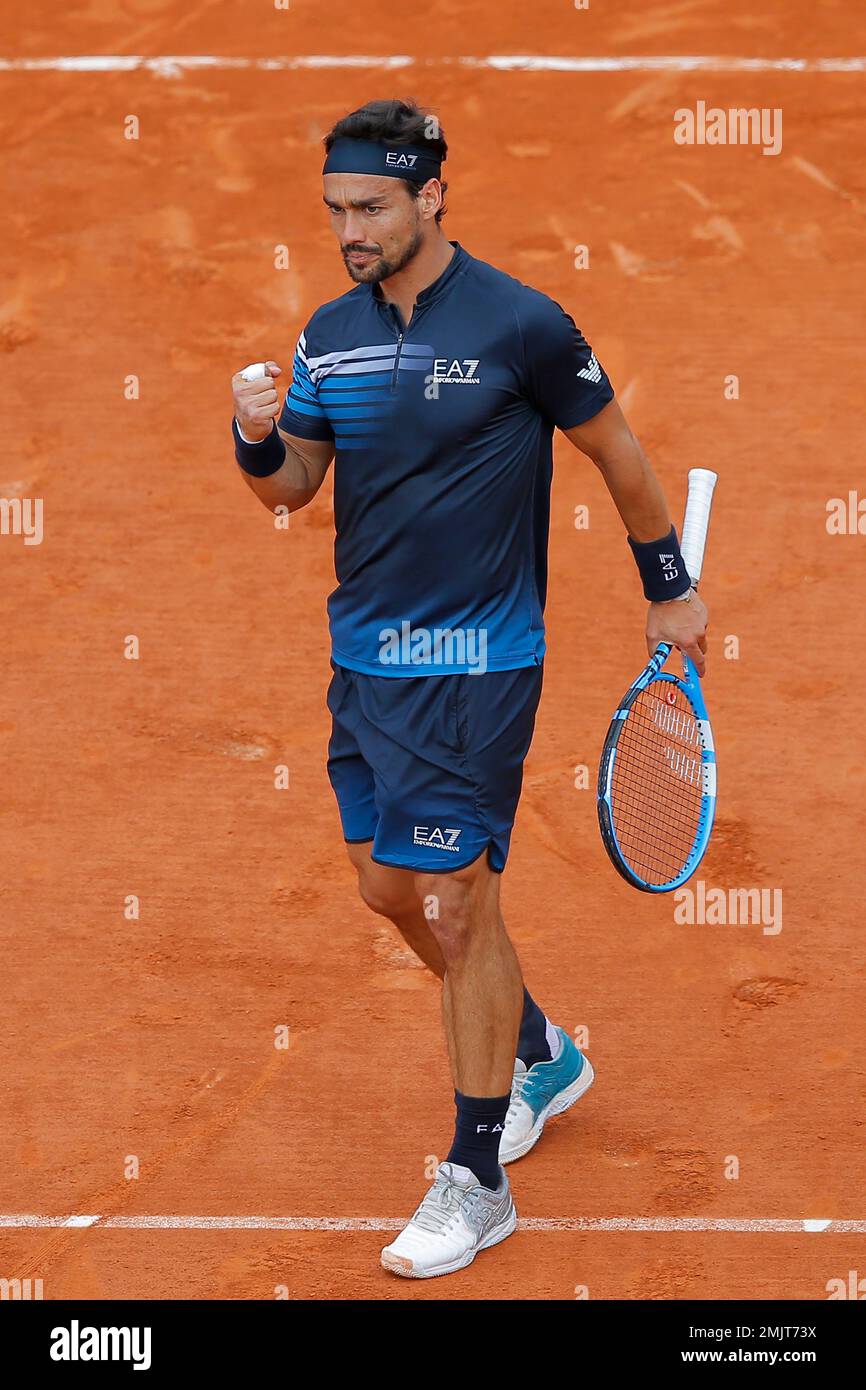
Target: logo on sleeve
{"x": 435, "y": 838}
{"x": 451, "y": 372}
{"x": 592, "y": 370}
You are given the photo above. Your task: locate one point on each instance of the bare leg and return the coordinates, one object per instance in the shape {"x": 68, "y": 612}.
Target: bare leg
{"x": 465, "y": 944}
{"x": 482, "y": 998}
{"x": 392, "y": 893}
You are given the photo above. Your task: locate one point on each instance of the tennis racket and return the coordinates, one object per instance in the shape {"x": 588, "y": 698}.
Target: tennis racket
{"x": 657, "y": 778}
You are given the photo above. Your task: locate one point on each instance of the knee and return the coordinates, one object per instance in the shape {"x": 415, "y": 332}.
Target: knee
{"x": 380, "y": 899}
{"x": 451, "y": 908}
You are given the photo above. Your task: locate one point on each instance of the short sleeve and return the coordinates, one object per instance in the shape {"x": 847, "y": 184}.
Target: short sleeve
{"x": 303, "y": 414}
{"x": 564, "y": 378}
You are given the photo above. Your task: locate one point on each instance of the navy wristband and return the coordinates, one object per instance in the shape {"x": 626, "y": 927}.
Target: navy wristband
{"x": 662, "y": 567}
{"x": 262, "y": 459}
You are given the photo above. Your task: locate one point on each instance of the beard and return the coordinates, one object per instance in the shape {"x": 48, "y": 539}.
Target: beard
{"x": 381, "y": 268}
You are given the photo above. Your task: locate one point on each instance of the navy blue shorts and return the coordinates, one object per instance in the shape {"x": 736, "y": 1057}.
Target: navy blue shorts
{"x": 430, "y": 767}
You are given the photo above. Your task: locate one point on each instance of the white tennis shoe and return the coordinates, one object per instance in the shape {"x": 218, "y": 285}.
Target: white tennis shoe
{"x": 457, "y": 1218}
{"x": 545, "y": 1090}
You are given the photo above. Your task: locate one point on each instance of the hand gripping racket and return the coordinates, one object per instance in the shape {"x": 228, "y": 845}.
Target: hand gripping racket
{"x": 657, "y": 778}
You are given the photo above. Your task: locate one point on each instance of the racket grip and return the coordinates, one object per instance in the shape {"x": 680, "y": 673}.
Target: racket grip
{"x": 697, "y": 519}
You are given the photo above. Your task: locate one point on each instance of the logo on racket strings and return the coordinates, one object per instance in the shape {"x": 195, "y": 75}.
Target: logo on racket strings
{"x": 682, "y": 766}
{"x": 676, "y": 722}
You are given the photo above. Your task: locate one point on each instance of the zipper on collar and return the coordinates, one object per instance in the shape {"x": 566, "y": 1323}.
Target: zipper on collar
{"x": 401, "y": 334}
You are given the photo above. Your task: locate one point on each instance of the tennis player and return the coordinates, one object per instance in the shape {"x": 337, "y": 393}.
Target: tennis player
{"x": 436, "y": 384}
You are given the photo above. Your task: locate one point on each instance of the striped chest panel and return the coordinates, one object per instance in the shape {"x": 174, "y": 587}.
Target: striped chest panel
{"x": 358, "y": 388}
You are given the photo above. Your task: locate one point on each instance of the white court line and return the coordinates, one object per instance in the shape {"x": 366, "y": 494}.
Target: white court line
{"x": 664, "y": 1224}
{"x": 173, "y": 65}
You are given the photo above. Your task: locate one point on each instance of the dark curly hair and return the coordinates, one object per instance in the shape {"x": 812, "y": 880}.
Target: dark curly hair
{"x": 398, "y": 123}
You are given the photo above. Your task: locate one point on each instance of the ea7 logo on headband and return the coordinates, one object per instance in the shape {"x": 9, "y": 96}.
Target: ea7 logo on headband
{"x": 394, "y": 160}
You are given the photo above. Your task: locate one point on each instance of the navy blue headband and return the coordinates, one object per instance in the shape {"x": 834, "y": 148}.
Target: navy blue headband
{"x": 349, "y": 156}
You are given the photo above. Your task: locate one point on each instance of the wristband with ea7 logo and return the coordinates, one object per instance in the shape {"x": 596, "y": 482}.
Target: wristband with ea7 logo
{"x": 662, "y": 568}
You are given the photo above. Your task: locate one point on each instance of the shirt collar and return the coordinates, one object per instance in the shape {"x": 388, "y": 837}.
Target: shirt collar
{"x": 433, "y": 291}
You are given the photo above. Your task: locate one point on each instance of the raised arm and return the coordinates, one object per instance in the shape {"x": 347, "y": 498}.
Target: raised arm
{"x": 292, "y": 482}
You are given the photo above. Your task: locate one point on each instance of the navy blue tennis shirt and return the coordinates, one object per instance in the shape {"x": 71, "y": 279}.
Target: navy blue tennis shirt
{"x": 443, "y": 437}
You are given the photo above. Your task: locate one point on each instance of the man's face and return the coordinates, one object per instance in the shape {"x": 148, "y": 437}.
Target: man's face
{"x": 377, "y": 221}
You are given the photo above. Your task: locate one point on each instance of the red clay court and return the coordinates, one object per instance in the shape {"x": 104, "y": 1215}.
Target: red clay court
{"x": 153, "y": 1038}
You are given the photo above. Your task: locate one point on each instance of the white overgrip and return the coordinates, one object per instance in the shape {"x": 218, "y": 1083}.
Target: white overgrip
{"x": 697, "y": 519}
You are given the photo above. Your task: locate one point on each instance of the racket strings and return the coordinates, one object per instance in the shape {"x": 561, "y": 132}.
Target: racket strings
{"x": 657, "y": 783}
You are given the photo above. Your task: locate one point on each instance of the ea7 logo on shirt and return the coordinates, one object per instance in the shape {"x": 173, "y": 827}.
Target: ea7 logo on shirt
{"x": 451, "y": 372}
{"x": 395, "y": 160}
{"x": 435, "y": 838}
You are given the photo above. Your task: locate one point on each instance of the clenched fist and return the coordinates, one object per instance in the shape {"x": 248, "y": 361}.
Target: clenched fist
{"x": 256, "y": 403}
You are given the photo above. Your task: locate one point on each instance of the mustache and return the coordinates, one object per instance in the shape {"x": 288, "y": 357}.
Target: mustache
{"x": 365, "y": 250}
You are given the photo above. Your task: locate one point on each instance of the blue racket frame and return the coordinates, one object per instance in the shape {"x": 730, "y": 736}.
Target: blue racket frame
{"x": 691, "y": 688}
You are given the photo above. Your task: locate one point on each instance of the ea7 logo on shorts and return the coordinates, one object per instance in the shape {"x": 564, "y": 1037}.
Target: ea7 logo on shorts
{"x": 395, "y": 160}
{"x": 435, "y": 838}
{"x": 450, "y": 372}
